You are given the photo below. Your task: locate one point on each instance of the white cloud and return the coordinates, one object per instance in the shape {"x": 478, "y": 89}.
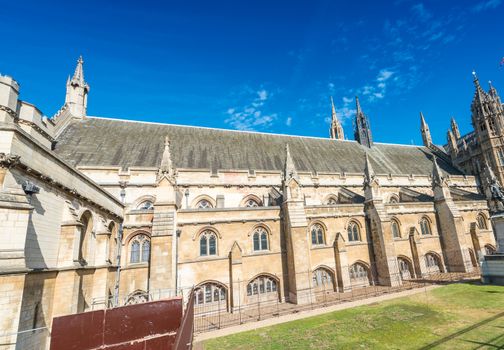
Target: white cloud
{"x": 288, "y": 121}
{"x": 263, "y": 95}
{"x": 251, "y": 117}
{"x": 384, "y": 75}
{"x": 486, "y": 5}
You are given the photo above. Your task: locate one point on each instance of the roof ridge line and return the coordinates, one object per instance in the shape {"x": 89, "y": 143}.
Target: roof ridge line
{"x": 244, "y": 131}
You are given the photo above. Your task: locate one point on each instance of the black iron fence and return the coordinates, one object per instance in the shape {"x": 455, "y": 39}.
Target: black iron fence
{"x": 222, "y": 305}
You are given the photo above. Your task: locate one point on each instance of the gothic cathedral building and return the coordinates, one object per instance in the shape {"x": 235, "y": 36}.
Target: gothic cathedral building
{"x": 97, "y": 212}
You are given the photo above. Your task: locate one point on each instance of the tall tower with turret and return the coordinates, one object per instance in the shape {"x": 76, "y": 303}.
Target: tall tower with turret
{"x": 488, "y": 122}
{"x": 77, "y": 91}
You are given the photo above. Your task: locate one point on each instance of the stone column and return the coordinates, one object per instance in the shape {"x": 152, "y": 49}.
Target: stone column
{"x": 237, "y": 288}
{"x": 417, "y": 253}
{"x": 341, "y": 266}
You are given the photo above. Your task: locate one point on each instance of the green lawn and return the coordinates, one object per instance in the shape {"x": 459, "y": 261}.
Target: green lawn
{"x": 458, "y": 316}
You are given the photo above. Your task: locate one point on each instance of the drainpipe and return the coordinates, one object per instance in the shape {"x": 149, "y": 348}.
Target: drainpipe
{"x": 119, "y": 249}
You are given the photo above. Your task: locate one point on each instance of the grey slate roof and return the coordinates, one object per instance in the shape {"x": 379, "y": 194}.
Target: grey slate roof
{"x": 109, "y": 142}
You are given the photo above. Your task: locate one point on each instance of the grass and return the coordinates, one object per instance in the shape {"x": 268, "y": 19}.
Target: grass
{"x": 458, "y": 316}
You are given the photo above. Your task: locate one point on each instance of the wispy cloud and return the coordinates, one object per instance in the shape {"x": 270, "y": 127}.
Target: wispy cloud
{"x": 251, "y": 117}
{"x": 486, "y": 5}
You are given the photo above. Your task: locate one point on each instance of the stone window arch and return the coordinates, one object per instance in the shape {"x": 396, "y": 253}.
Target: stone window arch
{"x": 317, "y": 232}
{"x": 481, "y": 221}
{"x": 489, "y": 249}
{"x": 211, "y": 294}
{"x": 323, "y": 278}
{"x": 137, "y": 297}
{"x": 203, "y": 202}
{"x": 85, "y": 237}
{"x": 433, "y": 263}
{"x": 263, "y": 285}
{"x": 359, "y": 274}
{"x": 353, "y": 231}
{"x": 331, "y": 200}
{"x": 251, "y": 201}
{"x": 139, "y": 248}
{"x": 425, "y": 227}
{"x": 113, "y": 242}
{"x": 144, "y": 203}
{"x": 208, "y": 243}
{"x": 394, "y": 198}
{"x": 396, "y": 228}
{"x": 405, "y": 267}
{"x": 260, "y": 239}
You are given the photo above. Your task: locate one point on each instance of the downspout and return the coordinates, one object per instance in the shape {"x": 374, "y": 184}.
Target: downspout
{"x": 119, "y": 249}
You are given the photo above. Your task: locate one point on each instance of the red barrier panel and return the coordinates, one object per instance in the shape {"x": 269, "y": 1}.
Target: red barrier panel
{"x": 151, "y": 325}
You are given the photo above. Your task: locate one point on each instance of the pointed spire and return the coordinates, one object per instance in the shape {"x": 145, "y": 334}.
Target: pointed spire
{"x": 369, "y": 173}
{"x": 166, "y": 167}
{"x": 437, "y": 177}
{"x": 336, "y": 129}
{"x": 78, "y": 76}
{"x": 455, "y": 128}
{"x": 424, "y": 128}
{"x": 362, "y": 132}
{"x": 290, "y": 171}
{"x": 333, "y": 109}
{"x": 452, "y": 143}
{"x": 479, "y": 94}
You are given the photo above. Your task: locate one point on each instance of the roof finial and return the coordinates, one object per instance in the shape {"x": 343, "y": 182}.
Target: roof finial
{"x": 290, "y": 171}
{"x": 437, "y": 177}
{"x": 78, "y": 76}
{"x": 166, "y": 167}
{"x": 333, "y": 109}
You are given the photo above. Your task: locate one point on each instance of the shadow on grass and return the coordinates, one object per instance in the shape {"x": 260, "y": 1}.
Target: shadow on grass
{"x": 463, "y": 331}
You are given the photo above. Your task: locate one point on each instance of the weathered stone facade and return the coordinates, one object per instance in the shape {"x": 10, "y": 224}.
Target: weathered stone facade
{"x": 235, "y": 214}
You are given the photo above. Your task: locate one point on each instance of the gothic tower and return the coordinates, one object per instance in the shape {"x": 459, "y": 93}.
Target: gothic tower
{"x": 336, "y": 130}
{"x": 77, "y": 91}
{"x": 426, "y": 135}
{"x": 362, "y": 131}
{"x": 488, "y": 122}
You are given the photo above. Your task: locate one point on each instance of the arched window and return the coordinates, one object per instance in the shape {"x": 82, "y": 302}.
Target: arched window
{"x": 137, "y": 297}
{"x": 425, "y": 227}
{"x": 432, "y": 263}
{"x": 353, "y": 232}
{"x": 394, "y": 199}
{"x": 208, "y": 243}
{"x": 260, "y": 239}
{"x": 332, "y": 201}
{"x": 145, "y": 205}
{"x": 489, "y": 250}
{"x": 404, "y": 268}
{"x": 482, "y": 223}
{"x": 262, "y": 285}
{"x": 210, "y": 293}
{"x": 359, "y": 274}
{"x": 323, "y": 278}
{"x": 396, "y": 231}
{"x": 86, "y": 229}
{"x": 204, "y": 204}
{"x": 139, "y": 249}
{"x": 251, "y": 203}
{"x": 317, "y": 234}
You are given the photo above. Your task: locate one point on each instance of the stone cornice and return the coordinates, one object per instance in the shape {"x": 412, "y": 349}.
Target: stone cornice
{"x": 37, "y": 128}
{"x": 42, "y": 149}
{"x": 9, "y": 111}
{"x": 70, "y": 191}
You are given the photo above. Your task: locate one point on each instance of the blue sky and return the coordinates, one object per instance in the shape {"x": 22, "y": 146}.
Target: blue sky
{"x": 261, "y": 65}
